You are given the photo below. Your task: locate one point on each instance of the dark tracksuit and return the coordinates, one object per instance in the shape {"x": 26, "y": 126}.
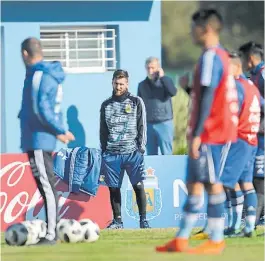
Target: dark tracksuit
{"x": 123, "y": 140}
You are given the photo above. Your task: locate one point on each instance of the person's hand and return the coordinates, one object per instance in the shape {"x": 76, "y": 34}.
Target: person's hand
{"x": 65, "y": 138}
{"x": 161, "y": 72}
{"x": 184, "y": 81}
{"x": 194, "y": 147}
{"x": 70, "y": 136}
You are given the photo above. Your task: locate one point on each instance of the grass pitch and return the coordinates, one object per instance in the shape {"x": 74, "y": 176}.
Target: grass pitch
{"x": 132, "y": 245}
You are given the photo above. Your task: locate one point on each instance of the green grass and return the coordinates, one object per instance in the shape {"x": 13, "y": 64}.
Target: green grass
{"x": 132, "y": 245}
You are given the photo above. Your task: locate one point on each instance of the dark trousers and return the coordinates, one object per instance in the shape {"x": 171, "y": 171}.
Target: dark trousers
{"x": 41, "y": 163}
{"x": 259, "y": 187}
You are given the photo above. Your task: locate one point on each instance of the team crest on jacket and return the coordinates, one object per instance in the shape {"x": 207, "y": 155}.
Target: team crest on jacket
{"x": 153, "y": 197}
{"x": 128, "y": 108}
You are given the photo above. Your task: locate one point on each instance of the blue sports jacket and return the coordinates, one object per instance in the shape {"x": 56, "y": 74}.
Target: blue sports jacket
{"x": 40, "y": 115}
{"x": 80, "y": 168}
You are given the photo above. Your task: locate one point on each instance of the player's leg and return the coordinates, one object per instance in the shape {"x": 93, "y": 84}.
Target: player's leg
{"x": 237, "y": 200}
{"x": 111, "y": 169}
{"x": 165, "y": 132}
{"x": 115, "y": 200}
{"x": 250, "y": 196}
{"x": 250, "y": 203}
{"x": 216, "y": 198}
{"x": 233, "y": 169}
{"x": 134, "y": 165}
{"x": 196, "y": 174}
{"x": 259, "y": 177}
{"x": 228, "y": 206}
{"x": 152, "y": 142}
{"x": 259, "y": 187}
{"x": 41, "y": 163}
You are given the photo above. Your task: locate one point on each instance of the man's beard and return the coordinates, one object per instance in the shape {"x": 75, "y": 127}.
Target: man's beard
{"x": 120, "y": 92}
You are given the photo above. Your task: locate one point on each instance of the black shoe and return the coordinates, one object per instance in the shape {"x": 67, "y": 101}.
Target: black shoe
{"x": 46, "y": 242}
{"x": 230, "y": 231}
{"x": 115, "y": 225}
{"x": 144, "y": 224}
{"x": 241, "y": 234}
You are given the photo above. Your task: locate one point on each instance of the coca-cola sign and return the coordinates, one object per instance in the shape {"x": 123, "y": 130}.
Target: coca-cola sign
{"x": 20, "y": 199}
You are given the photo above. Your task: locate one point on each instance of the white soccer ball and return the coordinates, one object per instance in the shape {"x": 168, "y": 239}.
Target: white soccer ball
{"x": 61, "y": 221}
{"x": 90, "y": 230}
{"x": 16, "y": 235}
{"x": 41, "y": 226}
{"x": 33, "y": 232}
{"x": 70, "y": 231}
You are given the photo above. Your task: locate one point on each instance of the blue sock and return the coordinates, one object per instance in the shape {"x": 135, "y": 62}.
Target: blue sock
{"x": 237, "y": 199}
{"x": 216, "y": 221}
{"x": 250, "y": 203}
{"x": 192, "y": 208}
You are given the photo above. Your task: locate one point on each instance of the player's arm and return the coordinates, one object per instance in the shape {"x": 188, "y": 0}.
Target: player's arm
{"x": 44, "y": 108}
{"x": 141, "y": 125}
{"x": 103, "y": 130}
{"x": 169, "y": 86}
{"x": 211, "y": 74}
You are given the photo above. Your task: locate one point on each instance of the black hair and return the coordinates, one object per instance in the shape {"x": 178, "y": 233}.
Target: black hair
{"x": 120, "y": 74}
{"x": 32, "y": 46}
{"x": 252, "y": 48}
{"x": 210, "y": 17}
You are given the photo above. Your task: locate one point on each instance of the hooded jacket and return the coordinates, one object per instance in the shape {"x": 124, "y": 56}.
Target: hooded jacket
{"x": 40, "y": 115}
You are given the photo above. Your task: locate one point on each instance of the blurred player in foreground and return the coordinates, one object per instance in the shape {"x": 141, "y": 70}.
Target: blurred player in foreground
{"x": 41, "y": 124}
{"x": 212, "y": 128}
{"x": 253, "y": 55}
{"x": 239, "y": 165}
{"x": 123, "y": 141}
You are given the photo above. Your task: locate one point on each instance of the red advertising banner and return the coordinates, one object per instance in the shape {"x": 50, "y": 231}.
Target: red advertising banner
{"x": 20, "y": 199}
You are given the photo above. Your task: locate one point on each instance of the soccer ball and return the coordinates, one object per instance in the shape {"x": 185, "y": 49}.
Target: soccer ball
{"x": 61, "y": 221}
{"x": 41, "y": 226}
{"x": 70, "y": 231}
{"x": 16, "y": 235}
{"x": 90, "y": 230}
{"x": 33, "y": 232}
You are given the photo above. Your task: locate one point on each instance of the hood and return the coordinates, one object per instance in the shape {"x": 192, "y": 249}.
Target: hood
{"x": 52, "y": 68}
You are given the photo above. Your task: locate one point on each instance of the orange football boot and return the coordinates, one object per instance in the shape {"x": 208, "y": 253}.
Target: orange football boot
{"x": 208, "y": 247}
{"x": 175, "y": 245}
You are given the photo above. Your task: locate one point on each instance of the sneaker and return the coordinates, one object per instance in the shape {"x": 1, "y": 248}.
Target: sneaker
{"x": 241, "y": 234}
{"x": 144, "y": 224}
{"x": 229, "y": 231}
{"x": 47, "y": 242}
{"x": 115, "y": 225}
{"x": 175, "y": 245}
{"x": 208, "y": 247}
{"x": 200, "y": 235}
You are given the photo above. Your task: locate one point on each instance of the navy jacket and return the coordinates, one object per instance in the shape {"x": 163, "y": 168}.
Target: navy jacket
{"x": 40, "y": 115}
{"x": 157, "y": 98}
{"x": 80, "y": 168}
